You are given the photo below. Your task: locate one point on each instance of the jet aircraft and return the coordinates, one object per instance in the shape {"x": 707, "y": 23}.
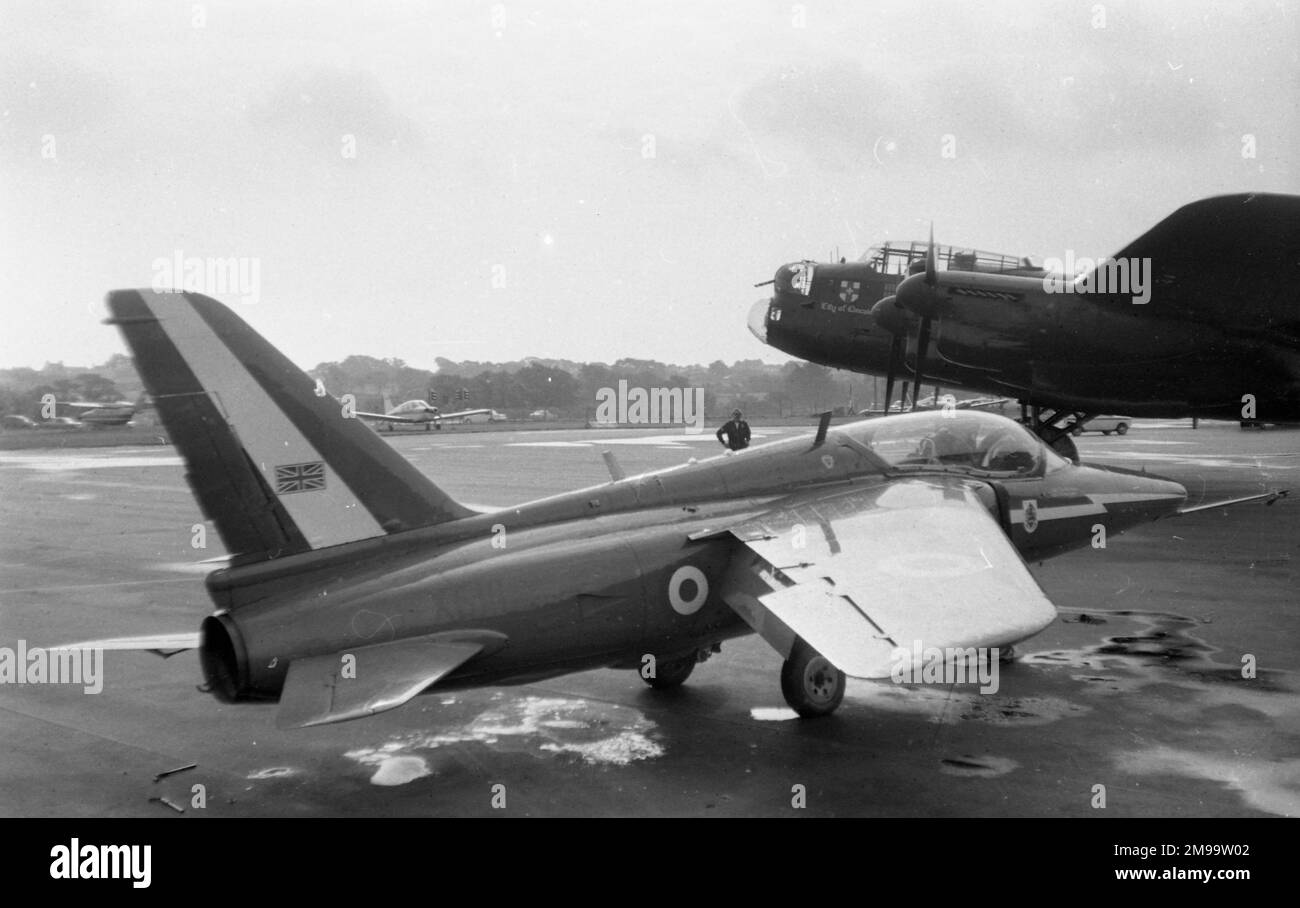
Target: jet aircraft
{"x": 1215, "y": 332}
{"x": 355, "y": 583}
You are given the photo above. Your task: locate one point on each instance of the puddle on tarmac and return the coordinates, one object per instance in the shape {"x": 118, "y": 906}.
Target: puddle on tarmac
{"x": 983, "y": 766}
{"x": 601, "y": 734}
{"x": 272, "y": 772}
{"x": 1160, "y": 648}
{"x": 772, "y": 713}
{"x": 1162, "y": 657}
{"x": 952, "y": 704}
{"x": 1272, "y": 786}
{"x": 949, "y": 706}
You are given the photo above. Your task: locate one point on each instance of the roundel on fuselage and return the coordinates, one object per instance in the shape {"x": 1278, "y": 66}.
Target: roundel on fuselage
{"x": 687, "y": 589}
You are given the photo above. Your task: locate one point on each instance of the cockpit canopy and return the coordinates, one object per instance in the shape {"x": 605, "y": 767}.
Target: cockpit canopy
{"x": 897, "y": 258}
{"x": 954, "y": 439}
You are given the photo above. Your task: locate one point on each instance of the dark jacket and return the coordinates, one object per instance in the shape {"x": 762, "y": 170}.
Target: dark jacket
{"x": 737, "y": 432}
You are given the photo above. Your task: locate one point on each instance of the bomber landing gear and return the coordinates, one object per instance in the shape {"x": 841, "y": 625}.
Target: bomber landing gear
{"x": 1044, "y": 423}
{"x": 811, "y": 684}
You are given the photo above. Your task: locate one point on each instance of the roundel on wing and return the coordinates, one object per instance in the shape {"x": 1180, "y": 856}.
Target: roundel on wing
{"x": 687, "y": 589}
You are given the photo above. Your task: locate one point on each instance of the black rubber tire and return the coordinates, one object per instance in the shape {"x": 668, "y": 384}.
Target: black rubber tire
{"x": 1077, "y": 430}
{"x": 1122, "y": 429}
{"x": 811, "y": 685}
{"x": 1105, "y": 431}
{"x": 671, "y": 673}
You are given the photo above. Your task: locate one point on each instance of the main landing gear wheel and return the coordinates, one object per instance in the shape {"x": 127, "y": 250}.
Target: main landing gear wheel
{"x": 812, "y": 686}
{"x": 670, "y": 673}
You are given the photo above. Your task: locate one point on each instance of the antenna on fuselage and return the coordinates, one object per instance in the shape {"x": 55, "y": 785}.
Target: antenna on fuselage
{"x": 611, "y": 463}
{"x": 821, "y": 429}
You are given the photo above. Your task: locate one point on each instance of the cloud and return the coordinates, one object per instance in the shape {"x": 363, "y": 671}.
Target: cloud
{"x": 314, "y": 110}
{"x": 833, "y": 112}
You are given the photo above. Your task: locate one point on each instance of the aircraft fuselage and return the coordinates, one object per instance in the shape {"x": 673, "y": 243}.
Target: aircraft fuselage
{"x": 608, "y": 575}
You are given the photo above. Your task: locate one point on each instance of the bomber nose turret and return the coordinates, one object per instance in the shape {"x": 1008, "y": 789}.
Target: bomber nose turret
{"x": 757, "y": 319}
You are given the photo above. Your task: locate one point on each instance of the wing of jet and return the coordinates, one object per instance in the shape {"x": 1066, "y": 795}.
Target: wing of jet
{"x": 860, "y": 574}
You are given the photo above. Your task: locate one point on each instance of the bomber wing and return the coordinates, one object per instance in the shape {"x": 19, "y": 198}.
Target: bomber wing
{"x": 860, "y": 573}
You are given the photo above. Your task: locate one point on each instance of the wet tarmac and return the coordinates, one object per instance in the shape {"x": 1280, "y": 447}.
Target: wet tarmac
{"x": 1170, "y": 678}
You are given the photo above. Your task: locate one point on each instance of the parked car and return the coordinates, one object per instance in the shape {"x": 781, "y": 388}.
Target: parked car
{"x": 16, "y": 421}
{"x": 1103, "y": 424}
{"x": 491, "y": 416}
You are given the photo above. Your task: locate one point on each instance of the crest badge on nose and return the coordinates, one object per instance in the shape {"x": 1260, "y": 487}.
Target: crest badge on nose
{"x": 1031, "y": 514}
{"x": 849, "y": 291}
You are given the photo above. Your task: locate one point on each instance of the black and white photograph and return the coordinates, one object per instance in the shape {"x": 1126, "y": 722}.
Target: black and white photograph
{"x": 734, "y": 409}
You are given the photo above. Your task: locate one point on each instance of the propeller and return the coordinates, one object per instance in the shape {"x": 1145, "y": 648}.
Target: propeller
{"x": 895, "y": 363}
{"x": 923, "y": 335}
{"x": 898, "y": 318}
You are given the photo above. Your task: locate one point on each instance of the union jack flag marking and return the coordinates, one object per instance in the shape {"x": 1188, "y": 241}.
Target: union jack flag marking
{"x": 300, "y": 477}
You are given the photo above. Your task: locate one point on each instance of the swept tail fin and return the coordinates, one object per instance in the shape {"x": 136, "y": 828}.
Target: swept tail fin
{"x": 274, "y": 462}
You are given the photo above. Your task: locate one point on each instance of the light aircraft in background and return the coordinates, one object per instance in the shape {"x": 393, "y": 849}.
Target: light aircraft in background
{"x": 100, "y": 414}
{"x": 356, "y": 583}
{"x": 419, "y": 412}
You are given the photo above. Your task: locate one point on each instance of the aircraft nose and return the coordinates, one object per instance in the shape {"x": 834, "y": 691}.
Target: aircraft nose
{"x": 1164, "y": 496}
{"x": 1134, "y": 498}
{"x": 758, "y": 319}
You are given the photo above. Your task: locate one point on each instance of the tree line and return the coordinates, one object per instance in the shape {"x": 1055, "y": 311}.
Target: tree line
{"x": 562, "y": 388}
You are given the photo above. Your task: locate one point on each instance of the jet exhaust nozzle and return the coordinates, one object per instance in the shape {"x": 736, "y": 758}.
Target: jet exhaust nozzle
{"x": 223, "y": 658}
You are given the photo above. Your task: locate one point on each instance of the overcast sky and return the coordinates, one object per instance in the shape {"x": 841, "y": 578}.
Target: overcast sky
{"x": 626, "y": 171}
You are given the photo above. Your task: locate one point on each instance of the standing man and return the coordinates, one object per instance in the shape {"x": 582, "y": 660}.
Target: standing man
{"x": 737, "y": 432}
